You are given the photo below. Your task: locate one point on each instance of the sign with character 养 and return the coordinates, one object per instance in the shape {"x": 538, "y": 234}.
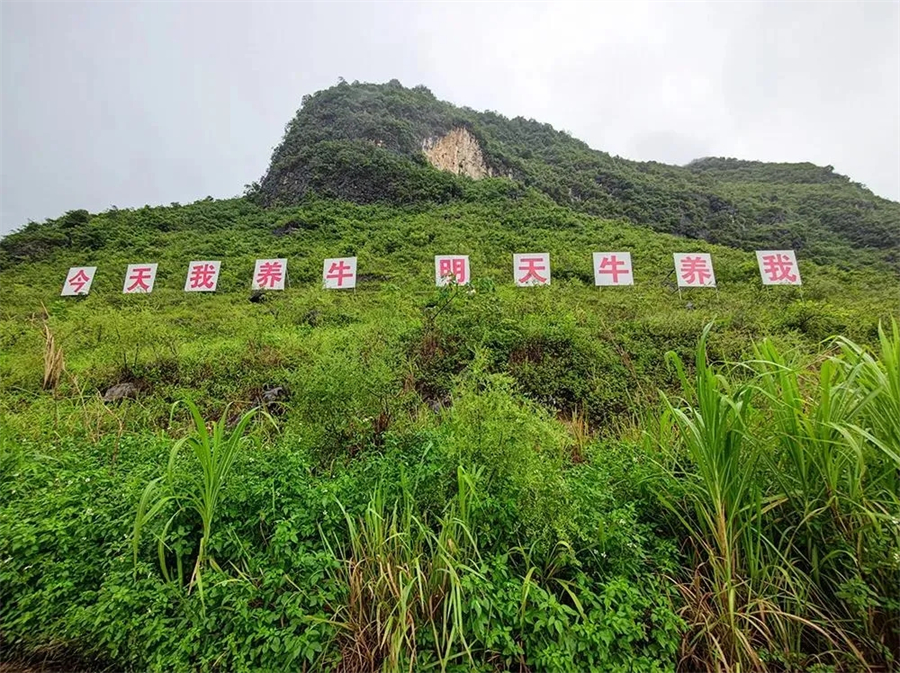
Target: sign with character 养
{"x": 269, "y": 274}
{"x": 694, "y": 269}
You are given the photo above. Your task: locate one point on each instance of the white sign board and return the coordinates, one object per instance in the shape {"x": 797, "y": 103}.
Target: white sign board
{"x": 139, "y": 279}
{"x": 339, "y": 273}
{"x": 531, "y": 269}
{"x": 78, "y": 281}
{"x": 613, "y": 268}
{"x": 778, "y": 267}
{"x": 694, "y": 269}
{"x": 451, "y": 269}
{"x": 202, "y": 277}
{"x": 269, "y": 274}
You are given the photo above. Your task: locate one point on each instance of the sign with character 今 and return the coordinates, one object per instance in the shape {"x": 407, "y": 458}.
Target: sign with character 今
{"x": 78, "y": 281}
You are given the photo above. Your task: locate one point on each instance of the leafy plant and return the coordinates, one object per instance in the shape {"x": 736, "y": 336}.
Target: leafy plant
{"x": 214, "y": 451}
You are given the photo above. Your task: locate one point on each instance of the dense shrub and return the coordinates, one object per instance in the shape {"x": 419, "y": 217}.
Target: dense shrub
{"x": 509, "y": 440}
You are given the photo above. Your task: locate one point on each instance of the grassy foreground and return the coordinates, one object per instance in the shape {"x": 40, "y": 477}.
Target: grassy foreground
{"x": 488, "y": 478}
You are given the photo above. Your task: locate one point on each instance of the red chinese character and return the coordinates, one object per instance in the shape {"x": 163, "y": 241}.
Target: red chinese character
{"x": 778, "y": 267}
{"x": 79, "y": 280}
{"x": 455, "y": 267}
{"x": 139, "y": 275}
{"x": 339, "y": 270}
{"x": 531, "y": 265}
{"x": 695, "y": 271}
{"x": 270, "y": 274}
{"x": 613, "y": 266}
{"x": 203, "y": 275}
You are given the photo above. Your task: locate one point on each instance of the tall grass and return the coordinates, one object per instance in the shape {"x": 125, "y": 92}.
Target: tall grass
{"x": 816, "y": 465}
{"x": 878, "y": 381}
{"x": 214, "y": 451}
{"x": 720, "y": 508}
{"x": 837, "y": 461}
{"x": 784, "y": 478}
{"x": 403, "y": 576}
{"x": 54, "y": 364}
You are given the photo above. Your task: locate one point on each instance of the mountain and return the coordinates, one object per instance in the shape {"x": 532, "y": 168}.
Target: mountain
{"x": 461, "y": 478}
{"x": 385, "y": 143}
{"x": 373, "y": 143}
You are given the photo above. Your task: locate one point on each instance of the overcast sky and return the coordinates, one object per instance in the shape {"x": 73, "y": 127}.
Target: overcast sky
{"x": 133, "y": 103}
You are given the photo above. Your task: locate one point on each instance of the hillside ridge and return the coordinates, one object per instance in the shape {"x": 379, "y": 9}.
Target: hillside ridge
{"x": 359, "y": 142}
{"x": 397, "y": 146}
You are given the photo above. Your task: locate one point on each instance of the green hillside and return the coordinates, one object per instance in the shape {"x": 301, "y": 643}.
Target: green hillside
{"x": 480, "y": 478}
{"x": 346, "y": 140}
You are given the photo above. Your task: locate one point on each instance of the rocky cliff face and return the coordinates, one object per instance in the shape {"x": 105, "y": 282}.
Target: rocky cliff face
{"x": 457, "y": 152}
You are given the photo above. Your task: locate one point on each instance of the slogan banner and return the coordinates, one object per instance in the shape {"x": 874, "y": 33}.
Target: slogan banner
{"x": 269, "y": 274}
{"x": 78, "y": 281}
{"x": 139, "y": 279}
{"x": 694, "y": 269}
{"x": 531, "y": 269}
{"x": 612, "y": 268}
{"x": 451, "y": 269}
{"x": 778, "y": 267}
{"x": 202, "y": 277}
{"x": 339, "y": 273}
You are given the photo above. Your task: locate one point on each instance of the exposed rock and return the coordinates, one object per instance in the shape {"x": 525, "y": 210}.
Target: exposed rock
{"x": 289, "y": 228}
{"x": 257, "y": 296}
{"x": 273, "y": 400}
{"x": 273, "y": 395}
{"x": 438, "y": 404}
{"x": 120, "y": 391}
{"x": 285, "y": 229}
{"x": 312, "y": 317}
{"x": 457, "y": 152}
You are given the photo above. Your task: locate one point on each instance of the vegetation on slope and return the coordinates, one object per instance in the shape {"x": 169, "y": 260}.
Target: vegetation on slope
{"x": 376, "y": 134}
{"x": 363, "y": 143}
{"x": 483, "y": 478}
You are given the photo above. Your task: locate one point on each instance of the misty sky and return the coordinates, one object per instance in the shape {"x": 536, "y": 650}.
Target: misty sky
{"x": 137, "y": 103}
